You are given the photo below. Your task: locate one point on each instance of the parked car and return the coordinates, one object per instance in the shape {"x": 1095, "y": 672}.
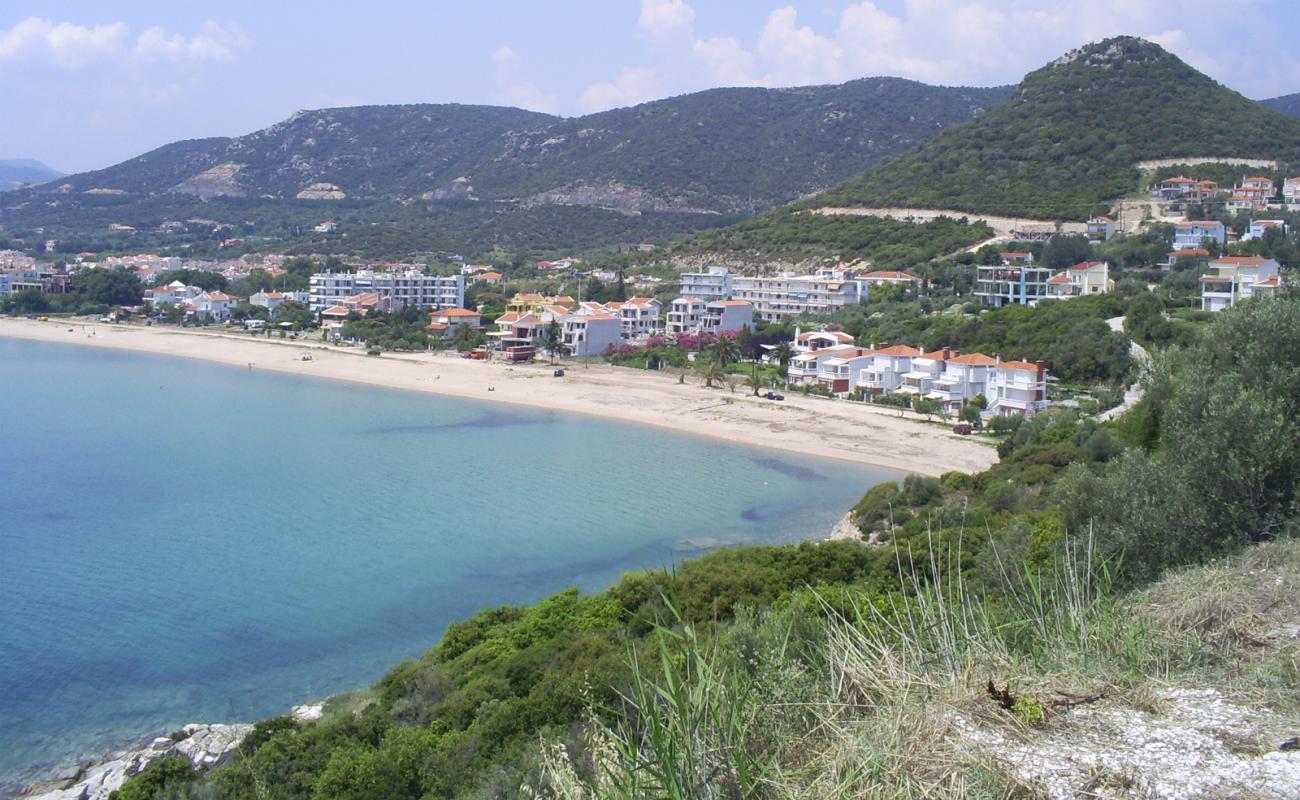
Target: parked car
{"x": 962, "y": 428}
{"x": 774, "y": 396}
{"x": 373, "y": 351}
{"x": 477, "y": 355}
{"x": 558, "y": 373}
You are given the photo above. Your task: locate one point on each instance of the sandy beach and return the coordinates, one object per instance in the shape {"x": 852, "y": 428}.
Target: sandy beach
{"x": 809, "y": 425}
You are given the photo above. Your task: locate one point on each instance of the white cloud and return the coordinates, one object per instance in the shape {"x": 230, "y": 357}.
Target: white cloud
{"x": 64, "y": 43}
{"x": 70, "y": 45}
{"x": 795, "y": 54}
{"x": 661, "y": 19}
{"x": 726, "y": 59}
{"x": 213, "y": 42}
{"x": 632, "y": 86}
{"x": 512, "y": 90}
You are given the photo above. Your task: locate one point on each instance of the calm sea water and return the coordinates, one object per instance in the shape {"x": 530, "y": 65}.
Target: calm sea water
{"x": 187, "y": 542}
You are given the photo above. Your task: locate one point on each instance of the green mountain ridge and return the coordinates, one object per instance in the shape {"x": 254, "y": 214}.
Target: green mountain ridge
{"x": 1287, "y": 104}
{"x": 689, "y": 153}
{"x": 1067, "y": 142}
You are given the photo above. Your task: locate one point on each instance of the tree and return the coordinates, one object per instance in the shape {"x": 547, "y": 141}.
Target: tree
{"x": 754, "y": 381}
{"x": 552, "y": 337}
{"x": 110, "y": 287}
{"x": 710, "y": 370}
{"x": 926, "y": 406}
{"x": 1066, "y": 251}
{"x": 725, "y": 349}
{"x": 782, "y": 353}
{"x": 27, "y": 301}
{"x": 970, "y": 413}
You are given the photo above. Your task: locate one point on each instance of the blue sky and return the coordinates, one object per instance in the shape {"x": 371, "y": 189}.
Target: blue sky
{"x": 87, "y": 84}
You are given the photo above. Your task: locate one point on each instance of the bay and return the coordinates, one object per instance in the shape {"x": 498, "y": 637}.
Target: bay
{"x": 181, "y": 541}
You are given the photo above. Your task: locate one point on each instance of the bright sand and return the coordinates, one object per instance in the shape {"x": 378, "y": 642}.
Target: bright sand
{"x": 808, "y": 425}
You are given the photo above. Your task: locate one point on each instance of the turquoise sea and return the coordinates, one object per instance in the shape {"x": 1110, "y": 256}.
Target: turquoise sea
{"x": 182, "y": 542}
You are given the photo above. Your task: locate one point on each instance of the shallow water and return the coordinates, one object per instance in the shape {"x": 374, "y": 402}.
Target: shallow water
{"x": 183, "y": 542}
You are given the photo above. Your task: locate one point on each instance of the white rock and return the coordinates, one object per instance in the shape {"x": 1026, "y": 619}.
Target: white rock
{"x": 307, "y": 712}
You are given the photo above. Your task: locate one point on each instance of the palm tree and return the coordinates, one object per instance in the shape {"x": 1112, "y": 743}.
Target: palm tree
{"x": 783, "y": 352}
{"x": 711, "y": 371}
{"x": 753, "y": 381}
{"x": 725, "y": 350}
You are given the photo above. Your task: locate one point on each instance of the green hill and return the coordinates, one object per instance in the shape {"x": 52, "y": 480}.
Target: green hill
{"x": 1287, "y": 104}
{"x": 1067, "y": 142}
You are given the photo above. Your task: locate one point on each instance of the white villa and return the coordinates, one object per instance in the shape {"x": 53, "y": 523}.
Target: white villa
{"x": 1087, "y": 277}
{"x": 836, "y": 373}
{"x": 1017, "y": 387}
{"x": 1237, "y": 278}
{"x": 640, "y": 316}
{"x": 805, "y": 368}
{"x": 216, "y": 305}
{"x": 883, "y": 373}
{"x": 1260, "y": 227}
{"x": 174, "y": 293}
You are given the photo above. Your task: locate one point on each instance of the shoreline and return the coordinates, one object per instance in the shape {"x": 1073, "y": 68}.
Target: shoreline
{"x": 812, "y": 426}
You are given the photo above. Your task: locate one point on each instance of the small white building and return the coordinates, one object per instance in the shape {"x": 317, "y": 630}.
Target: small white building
{"x": 1101, "y": 228}
{"x": 449, "y": 321}
{"x": 1260, "y": 227}
{"x": 837, "y": 372}
{"x": 1291, "y": 193}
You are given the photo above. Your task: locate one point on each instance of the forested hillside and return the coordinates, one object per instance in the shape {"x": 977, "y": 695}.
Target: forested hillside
{"x": 1067, "y": 143}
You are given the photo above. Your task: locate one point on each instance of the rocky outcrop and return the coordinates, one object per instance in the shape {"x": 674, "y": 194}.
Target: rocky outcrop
{"x": 613, "y": 195}
{"x": 204, "y": 746}
{"x": 219, "y": 181}
{"x": 321, "y": 191}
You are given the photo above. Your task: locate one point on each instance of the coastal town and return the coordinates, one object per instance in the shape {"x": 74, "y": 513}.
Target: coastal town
{"x": 789, "y": 323}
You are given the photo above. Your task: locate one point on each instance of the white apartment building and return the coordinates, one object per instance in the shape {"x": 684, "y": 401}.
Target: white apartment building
{"x": 1291, "y": 194}
{"x": 964, "y": 377}
{"x": 174, "y": 293}
{"x": 715, "y": 282}
{"x": 640, "y": 316}
{"x": 779, "y": 297}
{"x": 216, "y": 305}
{"x": 1014, "y": 281}
{"x": 1237, "y": 278}
{"x": 590, "y": 334}
{"x": 694, "y": 315}
{"x": 400, "y": 289}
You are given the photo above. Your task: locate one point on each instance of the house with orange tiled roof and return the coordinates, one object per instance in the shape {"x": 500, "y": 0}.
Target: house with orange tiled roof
{"x": 882, "y": 277}
{"x": 964, "y": 377}
{"x": 1084, "y": 278}
{"x": 837, "y": 372}
{"x": 490, "y": 278}
{"x": 805, "y": 368}
{"x": 1173, "y": 188}
{"x": 1017, "y": 387}
{"x": 1101, "y": 228}
{"x": 215, "y": 305}
{"x": 925, "y": 370}
{"x": 1236, "y": 278}
{"x": 447, "y": 321}
{"x": 641, "y": 317}
{"x": 883, "y": 373}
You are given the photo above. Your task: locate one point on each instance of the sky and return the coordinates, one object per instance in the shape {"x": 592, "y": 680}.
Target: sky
{"x": 87, "y": 84}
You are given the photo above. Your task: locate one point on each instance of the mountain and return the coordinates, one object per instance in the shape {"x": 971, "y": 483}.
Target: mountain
{"x": 693, "y": 157}
{"x": 1287, "y": 104}
{"x": 691, "y": 153}
{"x": 1068, "y": 141}
{"x": 17, "y": 172}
